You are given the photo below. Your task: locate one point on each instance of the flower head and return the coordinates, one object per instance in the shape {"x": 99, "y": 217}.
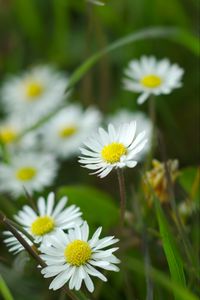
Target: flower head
{"x": 35, "y": 93}
{"x": 32, "y": 171}
{"x": 149, "y": 76}
{"x": 49, "y": 218}
{"x": 74, "y": 257}
{"x": 116, "y": 148}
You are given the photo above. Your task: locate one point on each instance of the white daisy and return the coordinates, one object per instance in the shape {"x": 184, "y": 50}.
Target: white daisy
{"x": 13, "y": 244}
{"x": 33, "y": 171}
{"x": 74, "y": 258}
{"x": 96, "y": 2}
{"x": 114, "y": 149}
{"x": 64, "y": 134}
{"x": 143, "y": 123}
{"x": 35, "y": 93}
{"x": 49, "y": 219}
{"x": 149, "y": 76}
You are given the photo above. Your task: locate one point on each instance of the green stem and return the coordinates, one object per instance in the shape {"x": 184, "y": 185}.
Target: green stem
{"x": 122, "y": 192}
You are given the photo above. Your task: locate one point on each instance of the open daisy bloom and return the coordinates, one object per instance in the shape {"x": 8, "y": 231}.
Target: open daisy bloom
{"x": 151, "y": 77}
{"x": 49, "y": 218}
{"x": 35, "y": 93}
{"x": 73, "y": 257}
{"x": 13, "y": 244}
{"x": 32, "y": 171}
{"x": 114, "y": 149}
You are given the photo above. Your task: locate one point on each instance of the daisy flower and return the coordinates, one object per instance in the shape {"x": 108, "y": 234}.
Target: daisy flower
{"x": 33, "y": 171}
{"x": 149, "y": 76}
{"x": 49, "y": 219}
{"x": 112, "y": 149}
{"x": 13, "y": 244}
{"x": 35, "y": 93}
{"x": 64, "y": 134}
{"x": 73, "y": 257}
{"x": 143, "y": 122}
{"x": 96, "y": 2}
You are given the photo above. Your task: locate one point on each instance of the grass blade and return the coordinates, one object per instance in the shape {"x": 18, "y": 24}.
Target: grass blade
{"x": 4, "y": 290}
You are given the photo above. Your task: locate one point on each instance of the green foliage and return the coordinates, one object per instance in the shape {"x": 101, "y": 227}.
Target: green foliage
{"x": 4, "y": 290}
{"x": 190, "y": 180}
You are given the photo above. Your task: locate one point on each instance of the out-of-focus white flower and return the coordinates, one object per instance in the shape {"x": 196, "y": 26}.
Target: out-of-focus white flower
{"x": 64, "y": 133}
{"x": 112, "y": 149}
{"x": 149, "y": 76}
{"x": 97, "y": 2}
{"x": 143, "y": 123}
{"x": 73, "y": 257}
{"x": 32, "y": 171}
{"x": 13, "y": 244}
{"x": 35, "y": 93}
{"x": 49, "y": 218}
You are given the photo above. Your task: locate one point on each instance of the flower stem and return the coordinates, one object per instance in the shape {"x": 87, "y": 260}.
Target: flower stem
{"x": 122, "y": 191}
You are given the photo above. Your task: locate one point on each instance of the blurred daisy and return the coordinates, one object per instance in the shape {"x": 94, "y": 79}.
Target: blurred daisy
{"x": 96, "y": 2}
{"x": 13, "y": 244}
{"x": 114, "y": 149}
{"x": 143, "y": 123}
{"x": 49, "y": 218}
{"x": 35, "y": 93}
{"x": 33, "y": 171}
{"x": 74, "y": 258}
{"x": 149, "y": 76}
{"x": 64, "y": 134}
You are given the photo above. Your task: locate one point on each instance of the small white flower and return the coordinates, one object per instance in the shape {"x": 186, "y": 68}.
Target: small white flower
{"x": 143, "y": 123}
{"x": 49, "y": 219}
{"x": 74, "y": 258}
{"x": 113, "y": 149}
{"x": 32, "y": 171}
{"x": 96, "y": 2}
{"x": 64, "y": 134}
{"x": 35, "y": 93}
{"x": 149, "y": 76}
{"x": 13, "y": 244}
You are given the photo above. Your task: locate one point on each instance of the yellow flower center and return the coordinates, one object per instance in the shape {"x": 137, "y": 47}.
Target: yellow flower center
{"x": 26, "y": 173}
{"x": 151, "y": 81}
{"x": 67, "y": 131}
{"x": 113, "y": 152}
{"x": 33, "y": 90}
{"x": 7, "y": 135}
{"x": 42, "y": 225}
{"x": 77, "y": 253}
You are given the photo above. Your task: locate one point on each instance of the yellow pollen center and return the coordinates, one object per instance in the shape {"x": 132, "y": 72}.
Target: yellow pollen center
{"x": 42, "y": 225}
{"x": 33, "y": 90}
{"x": 151, "y": 81}
{"x": 26, "y": 173}
{"x": 7, "y": 135}
{"x": 113, "y": 152}
{"x": 77, "y": 253}
{"x": 67, "y": 131}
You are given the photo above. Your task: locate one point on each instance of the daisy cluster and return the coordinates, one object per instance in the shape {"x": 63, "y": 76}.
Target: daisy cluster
{"x": 62, "y": 239}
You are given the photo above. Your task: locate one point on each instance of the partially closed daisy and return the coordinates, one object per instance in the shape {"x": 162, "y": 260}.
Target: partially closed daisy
{"x": 49, "y": 218}
{"x": 112, "y": 149}
{"x": 33, "y": 171}
{"x": 35, "y": 93}
{"x": 74, "y": 257}
{"x": 64, "y": 134}
{"x": 149, "y": 76}
{"x": 13, "y": 244}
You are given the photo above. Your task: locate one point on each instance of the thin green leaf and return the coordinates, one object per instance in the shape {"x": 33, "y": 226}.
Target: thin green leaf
{"x": 4, "y": 290}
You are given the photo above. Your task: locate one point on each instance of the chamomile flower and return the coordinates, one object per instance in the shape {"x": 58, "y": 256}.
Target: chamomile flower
{"x": 35, "y": 93}
{"x": 49, "y": 218}
{"x": 13, "y": 244}
{"x": 112, "y": 149}
{"x": 143, "y": 123}
{"x": 149, "y": 76}
{"x": 73, "y": 257}
{"x": 33, "y": 171}
{"x": 64, "y": 134}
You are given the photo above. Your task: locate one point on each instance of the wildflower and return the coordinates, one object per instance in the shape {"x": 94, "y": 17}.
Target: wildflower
{"x": 64, "y": 134}
{"x": 156, "y": 179}
{"x": 29, "y": 170}
{"x": 149, "y": 76}
{"x": 143, "y": 123}
{"x": 113, "y": 149}
{"x": 13, "y": 244}
{"x": 49, "y": 219}
{"x": 73, "y": 257}
{"x": 96, "y": 2}
{"x": 35, "y": 93}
